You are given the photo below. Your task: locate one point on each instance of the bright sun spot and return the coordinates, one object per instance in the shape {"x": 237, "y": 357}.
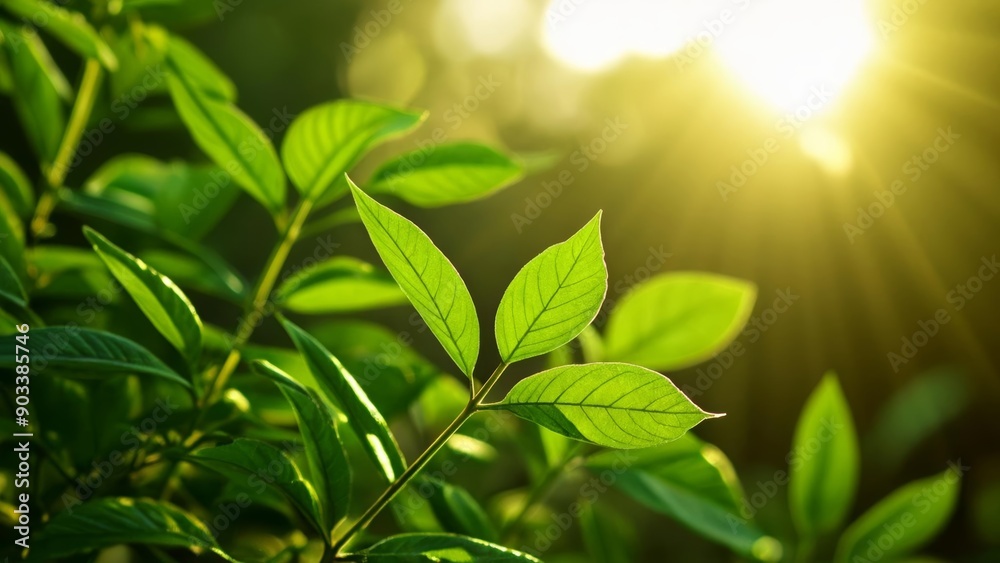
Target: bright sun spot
{"x": 781, "y": 49}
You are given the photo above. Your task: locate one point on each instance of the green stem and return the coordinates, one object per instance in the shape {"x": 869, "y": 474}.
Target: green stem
{"x": 261, "y": 294}
{"x": 83, "y": 106}
{"x": 396, "y": 486}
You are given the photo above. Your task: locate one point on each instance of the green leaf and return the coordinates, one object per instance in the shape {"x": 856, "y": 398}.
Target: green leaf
{"x": 903, "y": 521}
{"x": 233, "y": 141}
{"x": 10, "y": 283}
{"x": 198, "y": 69}
{"x": 244, "y": 457}
{"x": 40, "y": 88}
{"x": 426, "y": 277}
{"x": 824, "y": 461}
{"x": 458, "y": 511}
{"x": 554, "y": 296}
{"x": 450, "y": 174}
{"x": 325, "y": 141}
{"x": 15, "y": 185}
{"x": 693, "y": 483}
{"x": 338, "y": 285}
{"x": 604, "y": 532}
{"x": 341, "y": 387}
{"x": 328, "y": 465}
{"x": 193, "y": 273}
{"x": 613, "y": 405}
{"x": 105, "y": 522}
{"x": 88, "y": 350}
{"x": 163, "y": 303}
{"x": 12, "y": 243}
{"x": 71, "y": 28}
{"x": 438, "y": 548}
{"x": 677, "y": 320}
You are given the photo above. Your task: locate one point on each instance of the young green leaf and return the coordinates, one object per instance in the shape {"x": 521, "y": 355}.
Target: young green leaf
{"x": 87, "y": 350}
{"x": 554, "y": 297}
{"x": 824, "y": 464}
{"x": 228, "y": 136}
{"x": 15, "y": 185}
{"x": 341, "y": 387}
{"x": 163, "y": 303}
{"x": 614, "y": 405}
{"x": 438, "y": 548}
{"x": 71, "y": 28}
{"x": 338, "y": 285}
{"x": 246, "y": 457}
{"x": 325, "y": 141}
{"x": 903, "y": 521}
{"x": 40, "y": 87}
{"x": 328, "y": 466}
{"x": 677, "y": 320}
{"x": 426, "y": 277}
{"x": 458, "y": 511}
{"x": 450, "y": 174}
{"x": 192, "y": 273}
{"x": 695, "y": 484}
{"x": 105, "y": 522}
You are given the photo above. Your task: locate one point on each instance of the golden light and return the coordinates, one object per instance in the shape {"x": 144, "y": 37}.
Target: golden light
{"x": 781, "y": 49}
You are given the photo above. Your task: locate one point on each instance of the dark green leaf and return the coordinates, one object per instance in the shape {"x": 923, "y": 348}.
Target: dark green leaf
{"x": 677, "y": 320}
{"x": 824, "y": 461}
{"x": 328, "y": 466}
{"x": 195, "y": 274}
{"x": 340, "y": 284}
{"x": 163, "y": 303}
{"x": 554, "y": 297}
{"x": 230, "y": 138}
{"x": 106, "y": 522}
{"x": 245, "y": 458}
{"x": 341, "y": 387}
{"x": 10, "y": 283}
{"x": 88, "y": 350}
{"x": 450, "y": 174}
{"x": 199, "y": 69}
{"x": 459, "y": 512}
{"x": 71, "y": 28}
{"x": 15, "y": 185}
{"x": 903, "y": 521}
{"x": 604, "y": 533}
{"x": 40, "y": 87}
{"x": 325, "y": 141}
{"x": 427, "y": 278}
{"x": 614, "y": 405}
{"x": 438, "y": 548}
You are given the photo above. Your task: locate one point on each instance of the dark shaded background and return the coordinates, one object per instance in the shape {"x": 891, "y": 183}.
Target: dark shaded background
{"x": 657, "y": 186}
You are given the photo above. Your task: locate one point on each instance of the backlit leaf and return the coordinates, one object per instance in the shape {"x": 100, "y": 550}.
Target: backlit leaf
{"x": 340, "y": 284}
{"x": 71, "y": 28}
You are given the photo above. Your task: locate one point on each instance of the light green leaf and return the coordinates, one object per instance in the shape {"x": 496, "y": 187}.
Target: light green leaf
{"x": 450, "y": 174}
{"x": 426, "y": 277}
{"x": 91, "y": 351}
{"x": 245, "y": 457}
{"x": 554, "y": 297}
{"x": 695, "y": 484}
{"x": 614, "y": 405}
{"x": 340, "y": 284}
{"x": 105, "y": 522}
{"x": 71, "y": 28}
{"x": 40, "y": 88}
{"x": 163, "y": 303}
{"x": 198, "y": 69}
{"x": 903, "y": 521}
{"x": 15, "y": 185}
{"x": 341, "y": 387}
{"x": 229, "y": 137}
{"x": 328, "y": 465}
{"x": 438, "y": 548}
{"x": 677, "y": 320}
{"x": 824, "y": 462}
{"x": 327, "y": 140}
{"x": 458, "y": 511}
{"x": 193, "y": 273}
